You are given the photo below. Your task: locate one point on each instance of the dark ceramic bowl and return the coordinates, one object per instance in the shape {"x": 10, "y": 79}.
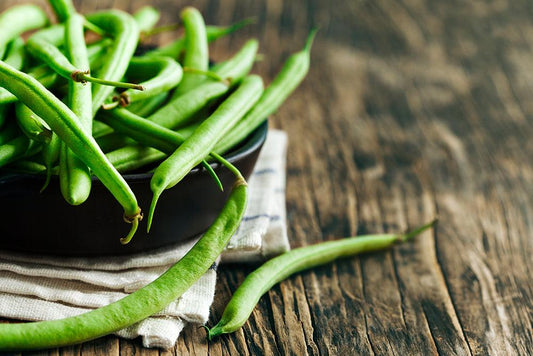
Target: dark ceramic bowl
{"x": 43, "y": 223}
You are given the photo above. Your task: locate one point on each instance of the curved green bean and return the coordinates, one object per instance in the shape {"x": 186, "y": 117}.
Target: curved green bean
{"x": 204, "y": 138}
{"x": 279, "y": 268}
{"x": 74, "y": 175}
{"x": 164, "y": 72}
{"x": 140, "y": 304}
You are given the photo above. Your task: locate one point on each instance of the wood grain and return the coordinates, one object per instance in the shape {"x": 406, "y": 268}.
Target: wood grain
{"x": 412, "y": 109}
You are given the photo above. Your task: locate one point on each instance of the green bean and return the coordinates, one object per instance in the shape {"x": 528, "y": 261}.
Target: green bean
{"x": 146, "y": 17}
{"x": 196, "y": 53}
{"x": 165, "y": 73}
{"x": 149, "y": 134}
{"x": 290, "y": 76}
{"x": 63, "y": 9}
{"x": 67, "y": 126}
{"x": 203, "y": 140}
{"x": 145, "y": 108}
{"x": 140, "y": 304}
{"x": 125, "y": 32}
{"x": 16, "y": 53}
{"x": 175, "y": 49}
{"x": 281, "y": 267}
{"x": 32, "y": 125}
{"x": 180, "y": 110}
{"x": 14, "y": 149}
{"x": 74, "y": 175}
{"x": 18, "y": 19}
{"x": 44, "y": 76}
{"x": 26, "y": 166}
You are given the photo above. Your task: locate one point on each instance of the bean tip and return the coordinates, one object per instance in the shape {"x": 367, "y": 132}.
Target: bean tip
{"x": 410, "y": 235}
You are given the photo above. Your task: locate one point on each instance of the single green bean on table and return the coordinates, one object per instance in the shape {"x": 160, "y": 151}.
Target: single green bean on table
{"x": 197, "y": 146}
{"x": 290, "y": 76}
{"x": 196, "y": 48}
{"x": 68, "y": 127}
{"x": 144, "y": 302}
{"x": 125, "y": 32}
{"x": 18, "y": 19}
{"x": 74, "y": 175}
{"x": 277, "y": 269}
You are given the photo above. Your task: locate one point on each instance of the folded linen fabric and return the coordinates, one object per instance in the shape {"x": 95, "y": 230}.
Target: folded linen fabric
{"x": 43, "y": 288}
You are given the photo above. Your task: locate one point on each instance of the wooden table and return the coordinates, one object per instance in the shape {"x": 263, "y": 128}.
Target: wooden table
{"x": 411, "y": 110}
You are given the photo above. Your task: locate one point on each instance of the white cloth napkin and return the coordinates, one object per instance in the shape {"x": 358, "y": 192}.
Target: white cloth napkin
{"x": 43, "y": 288}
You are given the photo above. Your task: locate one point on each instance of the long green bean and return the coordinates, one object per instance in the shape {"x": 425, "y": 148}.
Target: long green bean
{"x": 279, "y": 268}
{"x": 74, "y": 175}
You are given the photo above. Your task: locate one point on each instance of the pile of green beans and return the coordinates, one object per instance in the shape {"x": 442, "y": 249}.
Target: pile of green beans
{"x": 61, "y": 99}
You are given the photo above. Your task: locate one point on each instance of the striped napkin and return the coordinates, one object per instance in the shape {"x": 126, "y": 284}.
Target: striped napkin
{"x": 43, "y": 288}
